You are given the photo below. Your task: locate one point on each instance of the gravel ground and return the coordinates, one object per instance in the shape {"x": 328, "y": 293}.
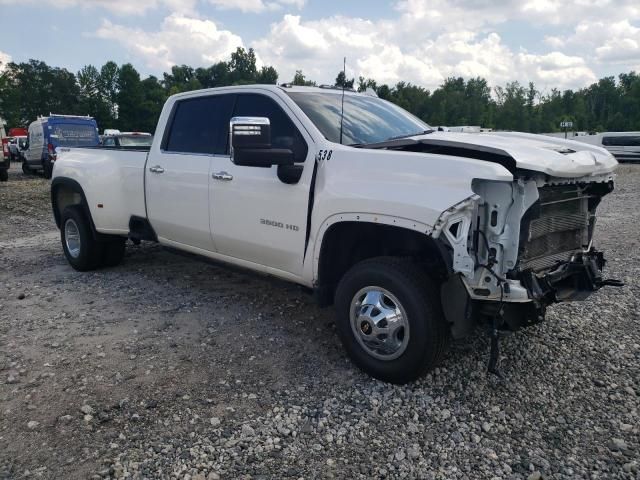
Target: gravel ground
{"x": 168, "y": 367}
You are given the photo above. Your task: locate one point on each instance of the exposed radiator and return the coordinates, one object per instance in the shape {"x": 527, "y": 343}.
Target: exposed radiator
{"x": 555, "y": 228}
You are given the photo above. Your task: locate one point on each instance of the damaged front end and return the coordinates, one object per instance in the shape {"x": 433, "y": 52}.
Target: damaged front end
{"x": 518, "y": 247}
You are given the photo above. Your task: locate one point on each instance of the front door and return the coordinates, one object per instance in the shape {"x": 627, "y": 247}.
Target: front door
{"x": 177, "y": 174}
{"x": 254, "y": 215}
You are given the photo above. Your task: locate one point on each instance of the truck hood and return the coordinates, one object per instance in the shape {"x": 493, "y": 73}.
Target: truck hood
{"x": 552, "y": 156}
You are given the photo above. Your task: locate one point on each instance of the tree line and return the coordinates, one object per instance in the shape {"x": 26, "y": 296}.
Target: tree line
{"x": 118, "y": 97}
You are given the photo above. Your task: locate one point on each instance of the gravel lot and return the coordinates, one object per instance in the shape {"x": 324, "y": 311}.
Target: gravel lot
{"x": 168, "y": 367}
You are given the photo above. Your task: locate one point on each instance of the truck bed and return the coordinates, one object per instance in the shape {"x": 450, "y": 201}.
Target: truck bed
{"x": 113, "y": 182}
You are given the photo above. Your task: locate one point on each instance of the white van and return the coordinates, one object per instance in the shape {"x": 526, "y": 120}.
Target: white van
{"x": 625, "y": 146}
{"x": 48, "y": 133}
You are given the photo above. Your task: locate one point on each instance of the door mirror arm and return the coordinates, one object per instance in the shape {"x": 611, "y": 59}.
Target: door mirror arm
{"x": 290, "y": 174}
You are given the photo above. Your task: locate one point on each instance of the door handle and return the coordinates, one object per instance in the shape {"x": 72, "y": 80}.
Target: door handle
{"x": 156, "y": 169}
{"x": 222, "y": 176}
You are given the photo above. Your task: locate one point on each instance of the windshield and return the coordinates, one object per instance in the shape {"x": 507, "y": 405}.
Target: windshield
{"x": 136, "y": 141}
{"x": 74, "y": 134}
{"x": 366, "y": 119}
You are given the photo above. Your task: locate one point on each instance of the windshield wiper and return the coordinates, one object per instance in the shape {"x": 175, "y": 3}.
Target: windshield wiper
{"x": 391, "y": 139}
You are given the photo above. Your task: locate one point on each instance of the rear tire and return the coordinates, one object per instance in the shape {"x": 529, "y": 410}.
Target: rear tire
{"x": 4, "y": 175}
{"x": 113, "y": 252}
{"x": 390, "y": 320}
{"x": 25, "y": 168}
{"x": 47, "y": 168}
{"x": 80, "y": 247}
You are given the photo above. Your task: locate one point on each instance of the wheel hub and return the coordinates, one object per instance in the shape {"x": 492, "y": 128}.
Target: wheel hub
{"x": 379, "y": 323}
{"x": 72, "y": 237}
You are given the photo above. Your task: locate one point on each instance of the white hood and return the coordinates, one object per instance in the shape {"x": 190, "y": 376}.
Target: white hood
{"x": 553, "y": 156}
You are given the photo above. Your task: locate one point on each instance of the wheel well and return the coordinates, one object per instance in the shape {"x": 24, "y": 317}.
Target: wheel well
{"x": 64, "y": 194}
{"x": 348, "y": 243}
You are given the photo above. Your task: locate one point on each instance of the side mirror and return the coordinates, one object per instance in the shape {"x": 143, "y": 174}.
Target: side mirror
{"x": 250, "y": 140}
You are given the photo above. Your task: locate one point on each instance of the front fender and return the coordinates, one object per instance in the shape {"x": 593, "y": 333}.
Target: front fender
{"x": 397, "y": 188}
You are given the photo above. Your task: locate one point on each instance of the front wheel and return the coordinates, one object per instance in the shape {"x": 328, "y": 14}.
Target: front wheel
{"x": 389, "y": 319}
{"x": 4, "y": 175}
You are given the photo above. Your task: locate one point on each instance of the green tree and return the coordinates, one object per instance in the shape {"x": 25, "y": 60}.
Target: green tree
{"x": 300, "y": 79}
{"x": 267, "y": 75}
{"x": 341, "y": 81}
{"x": 92, "y": 101}
{"x": 130, "y": 98}
{"x": 242, "y": 67}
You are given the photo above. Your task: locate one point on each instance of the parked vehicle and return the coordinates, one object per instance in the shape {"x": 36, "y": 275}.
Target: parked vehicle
{"x": 414, "y": 235}
{"x": 625, "y": 146}
{"x": 46, "y": 134}
{"x": 16, "y": 146}
{"x": 5, "y": 158}
{"x": 128, "y": 140}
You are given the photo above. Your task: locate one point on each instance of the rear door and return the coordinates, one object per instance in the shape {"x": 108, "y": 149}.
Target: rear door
{"x": 254, "y": 215}
{"x": 177, "y": 174}
{"x": 632, "y": 148}
{"x": 36, "y": 143}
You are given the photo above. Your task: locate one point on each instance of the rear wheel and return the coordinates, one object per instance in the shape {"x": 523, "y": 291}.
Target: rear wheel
{"x": 80, "y": 247}
{"x": 47, "y": 168}
{"x": 390, "y": 320}
{"x": 25, "y": 168}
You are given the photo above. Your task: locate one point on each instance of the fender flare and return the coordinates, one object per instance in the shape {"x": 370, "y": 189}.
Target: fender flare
{"x": 360, "y": 217}
{"x": 75, "y": 186}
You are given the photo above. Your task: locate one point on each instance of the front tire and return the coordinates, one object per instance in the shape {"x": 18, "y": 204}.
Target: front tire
{"x": 390, "y": 320}
{"x": 4, "y": 175}
{"x": 80, "y": 247}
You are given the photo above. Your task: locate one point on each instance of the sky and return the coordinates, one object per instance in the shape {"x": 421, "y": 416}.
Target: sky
{"x": 553, "y": 43}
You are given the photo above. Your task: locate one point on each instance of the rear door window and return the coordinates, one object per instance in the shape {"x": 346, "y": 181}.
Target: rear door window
{"x": 621, "y": 141}
{"x": 198, "y": 125}
{"x": 73, "y": 134}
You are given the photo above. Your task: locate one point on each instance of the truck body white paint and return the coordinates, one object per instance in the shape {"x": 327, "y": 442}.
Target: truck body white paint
{"x": 189, "y": 209}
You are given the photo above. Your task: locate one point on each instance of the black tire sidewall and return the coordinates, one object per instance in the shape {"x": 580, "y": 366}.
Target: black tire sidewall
{"x": 422, "y": 310}
{"x": 47, "y": 168}
{"x": 90, "y": 251}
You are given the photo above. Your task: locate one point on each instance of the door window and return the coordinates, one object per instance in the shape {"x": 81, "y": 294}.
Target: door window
{"x": 198, "y": 125}
{"x": 284, "y": 133}
{"x": 621, "y": 141}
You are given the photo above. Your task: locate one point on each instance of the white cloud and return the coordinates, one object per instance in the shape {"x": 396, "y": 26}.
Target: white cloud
{"x": 380, "y": 50}
{"x": 256, "y": 6}
{"x": 4, "y": 59}
{"x": 611, "y": 42}
{"x": 423, "y": 42}
{"x": 180, "y": 40}
{"x": 118, "y": 7}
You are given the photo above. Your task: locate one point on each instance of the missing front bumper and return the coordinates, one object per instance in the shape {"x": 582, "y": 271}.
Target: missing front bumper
{"x": 573, "y": 280}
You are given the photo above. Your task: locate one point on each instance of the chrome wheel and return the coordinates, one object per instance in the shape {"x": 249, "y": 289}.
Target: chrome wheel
{"x": 72, "y": 237}
{"x": 379, "y": 323}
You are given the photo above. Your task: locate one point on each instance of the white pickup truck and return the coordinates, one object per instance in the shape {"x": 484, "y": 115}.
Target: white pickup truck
{"x": 415, "y": 236}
